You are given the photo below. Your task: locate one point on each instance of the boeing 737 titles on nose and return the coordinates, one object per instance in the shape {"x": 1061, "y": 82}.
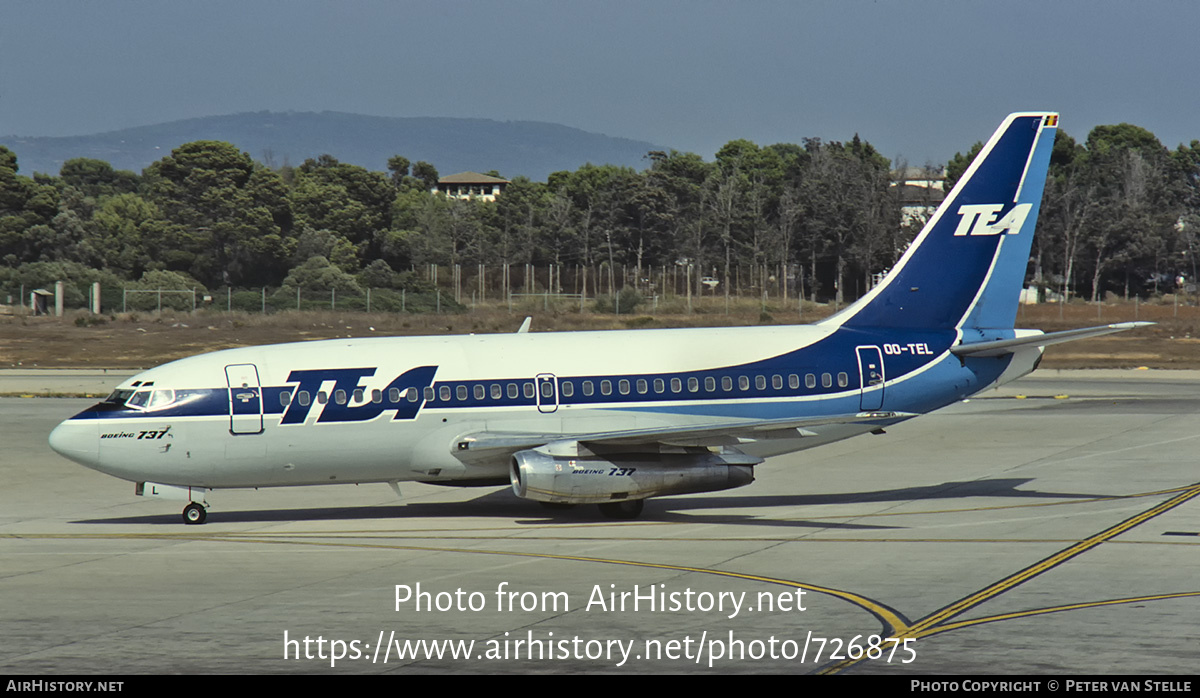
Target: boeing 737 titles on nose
{"x": 607, "y": 418}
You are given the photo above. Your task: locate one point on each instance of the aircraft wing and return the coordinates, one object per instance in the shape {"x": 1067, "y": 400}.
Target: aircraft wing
{"x": 717, "y": 433}
{"x": 1001, "y": 347}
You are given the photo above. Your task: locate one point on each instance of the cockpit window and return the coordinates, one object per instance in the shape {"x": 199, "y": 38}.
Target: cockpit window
{"x": 160, "y": 399}
{"x": 119, "y": 397}
{"x": 139, "y": 400}
{"x": 145, "y": 399}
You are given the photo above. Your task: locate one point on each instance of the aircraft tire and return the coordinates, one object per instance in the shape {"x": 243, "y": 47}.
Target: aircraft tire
{"x": 194, "y": 514}
{"x": 628, "y": 509}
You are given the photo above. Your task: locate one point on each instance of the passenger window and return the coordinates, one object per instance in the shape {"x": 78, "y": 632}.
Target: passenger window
{"x": 676, "y": 385}
{"x": 606, "y": 387}
{"x": 304, "y": 398}
{"x": 529, "y": 389}
{"x": 429, "y": 395}
{"x": 567, "y": 388}
{"x": 444, "y": 393}
{"x": 623, "y": 386}
{"x": 462, "y": 392}
{"x": 497, "y": 391}
{"x": 760, "y": 382}
{"x": 810, "y": 381}
{"x": 710, "y": 384}
{"x": 480, "y": 392}
{"x": 642, "y": 387}
{"x": 793, "y": 381}
{"x": 659, "y": 385}
{"x": 358, "y": 395}
{"x": 587, "y": 388}
{"x": 377, "y": 395}
{"x": 744, "y": 382}
{"x": 513, "y": 391}
{"x": 726, "y": 383}
{"x": 547, "y": 389}
{"x": 393, "y": 395}
{"x": 322, "y": 398}
{"x": 412, "y": 394}
{"x": 693, "y": 384}
{"x": 339, "y": 396}
{"x": 843, "y": 380}
{"x": 826, "y": 380}
{"x": 285, "y": 399}
{"x": 777, "y": 381}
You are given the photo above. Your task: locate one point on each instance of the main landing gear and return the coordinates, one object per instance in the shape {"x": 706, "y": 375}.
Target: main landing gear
{"x": 194, "y": 513}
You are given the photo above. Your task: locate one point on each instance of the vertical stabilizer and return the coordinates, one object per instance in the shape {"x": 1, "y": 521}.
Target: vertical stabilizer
{"x": 967, "y": 265}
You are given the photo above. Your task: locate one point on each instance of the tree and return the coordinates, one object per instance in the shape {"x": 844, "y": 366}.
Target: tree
{"x": 427, "y": 173}
{"x": 97, "y": 178}
{"x": 228, "y": 215}
{"x": 27, "y": 207}
{"x": 959, "y": 164}
{"x": 398, "y": 165}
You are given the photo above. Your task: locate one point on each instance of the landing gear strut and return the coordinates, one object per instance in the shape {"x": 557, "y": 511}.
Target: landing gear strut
{"x": 194, "y": 513}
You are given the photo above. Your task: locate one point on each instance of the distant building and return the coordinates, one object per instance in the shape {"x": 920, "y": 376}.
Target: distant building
{"x": 471, "y": 185}
{"x": 920, "y": 191}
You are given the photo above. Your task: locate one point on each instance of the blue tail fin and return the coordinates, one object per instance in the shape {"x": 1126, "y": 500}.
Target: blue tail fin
{"x": 966, "y": 267}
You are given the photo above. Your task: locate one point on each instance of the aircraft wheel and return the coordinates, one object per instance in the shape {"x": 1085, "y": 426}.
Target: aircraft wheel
{"x": 194, "y": 514}
{"x": 556, "y": 506}
{"x": 628, "y": 509}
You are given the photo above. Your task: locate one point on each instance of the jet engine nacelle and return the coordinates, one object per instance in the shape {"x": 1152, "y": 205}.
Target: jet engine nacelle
{"x": 615, "y": 477}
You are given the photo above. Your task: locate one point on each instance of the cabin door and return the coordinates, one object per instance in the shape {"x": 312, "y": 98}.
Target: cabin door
{"x": 245, "y": 399}
{"x": 870, "y": 373}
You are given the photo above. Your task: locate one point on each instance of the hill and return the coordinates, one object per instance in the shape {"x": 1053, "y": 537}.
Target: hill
{"x": 530, "y": 148}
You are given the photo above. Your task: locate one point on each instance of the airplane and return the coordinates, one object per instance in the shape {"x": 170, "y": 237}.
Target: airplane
{"x": 611, "y": 417}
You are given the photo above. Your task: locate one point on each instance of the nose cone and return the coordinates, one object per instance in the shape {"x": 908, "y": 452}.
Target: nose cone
{"x": 77, "y": 440}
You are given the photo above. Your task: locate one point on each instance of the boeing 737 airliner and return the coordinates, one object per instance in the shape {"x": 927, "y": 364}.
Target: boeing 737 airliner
{"x": 609, "y": 418}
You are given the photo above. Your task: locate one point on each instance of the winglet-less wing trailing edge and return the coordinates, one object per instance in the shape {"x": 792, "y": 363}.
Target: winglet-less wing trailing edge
{"x": 713, "y": 434}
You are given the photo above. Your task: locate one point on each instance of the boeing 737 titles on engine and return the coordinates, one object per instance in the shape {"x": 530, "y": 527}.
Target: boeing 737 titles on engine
{"x": 608, "y": 418}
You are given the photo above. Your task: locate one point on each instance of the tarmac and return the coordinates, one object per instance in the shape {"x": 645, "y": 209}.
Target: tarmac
{"x": 1048, "y": 528}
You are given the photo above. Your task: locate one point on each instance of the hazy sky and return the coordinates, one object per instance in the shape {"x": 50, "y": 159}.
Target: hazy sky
{"x": 919, "y": 79}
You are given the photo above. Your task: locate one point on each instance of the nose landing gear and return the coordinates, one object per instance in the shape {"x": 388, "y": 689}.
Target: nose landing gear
{"x": 194, "y": 514}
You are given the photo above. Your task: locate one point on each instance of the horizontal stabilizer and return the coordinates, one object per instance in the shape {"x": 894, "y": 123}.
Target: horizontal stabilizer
{"x": 1002, "y": 347}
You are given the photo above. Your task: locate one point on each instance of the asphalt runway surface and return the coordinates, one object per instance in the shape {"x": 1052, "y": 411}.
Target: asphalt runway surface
{"x": 1048, "y": 528}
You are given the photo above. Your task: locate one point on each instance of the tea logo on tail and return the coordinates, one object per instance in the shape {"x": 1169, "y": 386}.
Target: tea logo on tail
{"x": 980, "y": 219}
